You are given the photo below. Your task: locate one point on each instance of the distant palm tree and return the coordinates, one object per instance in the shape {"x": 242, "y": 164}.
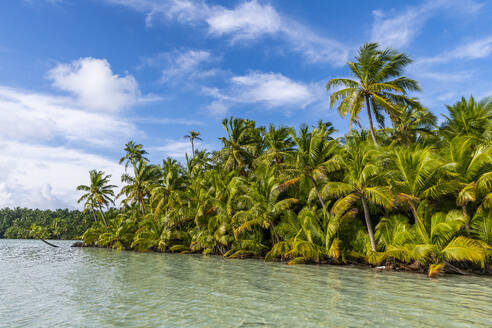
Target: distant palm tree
{"x": 414, "y": 123}
{"x": 192, "y": 136}
{"x": 468, "y": 117}
{"x": 316, "y": 156}
{"x": 98, "y": 194}
{"x": 134, "y": 153}
{"x": 378, "y": 83}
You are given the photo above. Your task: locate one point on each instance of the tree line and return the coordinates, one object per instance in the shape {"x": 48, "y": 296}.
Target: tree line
{"x": 20, "y": 223}
{"x": 411, "y": 193}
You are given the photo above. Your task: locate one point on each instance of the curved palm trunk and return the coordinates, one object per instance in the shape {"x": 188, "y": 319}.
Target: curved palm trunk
{"x": 102, "y": 214}
{"x": 94, "y": 214}
{"x": 368, "y": 223}
{"x": 369, "y": 116}
{"x": 418, "y": 221}
{"x": 467, "y": 218}
{"x": 317, "y": 193}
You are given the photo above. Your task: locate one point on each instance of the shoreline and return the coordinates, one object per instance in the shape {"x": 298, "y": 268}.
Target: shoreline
{"x": 394, "y": 267}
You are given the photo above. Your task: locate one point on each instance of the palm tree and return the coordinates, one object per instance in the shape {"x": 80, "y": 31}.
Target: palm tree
{"x": 263, "y": 203}
{"x": 363, "y": 181}
{"x": 98, "y": 194}
{"x": 414, "y": 123}
{"x": 420, "y": 175}
{"x": 316, "y": 156}
{"x": 192, "y": 136}
{"x": 133, "y": 153}
{"x": 468, "y": 117}
{"x": 472, "y": 164}
{"x": 440, "y": 244}
{"x": 242, "y": 144}
{"x": 378, "y": 83}
{"x": 278, "y": 144}
{"x": 137, "y": 187}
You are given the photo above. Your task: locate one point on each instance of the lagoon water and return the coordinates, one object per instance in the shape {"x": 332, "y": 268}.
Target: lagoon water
{"x": 42, "y": 286}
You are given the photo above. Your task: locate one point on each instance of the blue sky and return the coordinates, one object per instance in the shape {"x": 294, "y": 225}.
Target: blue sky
{"x": 78, "y": 79}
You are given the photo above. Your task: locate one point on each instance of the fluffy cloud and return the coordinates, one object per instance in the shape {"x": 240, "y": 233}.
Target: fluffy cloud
{"x": 37, "y": 117}
{"x": 38, "y": 176}
{"x": 272, "y": 90}
{"x": 94, "y": 84}
{"x": 50, "y": 142}
{"x": 249, "y": 20}
{"x": 399, "y": 29}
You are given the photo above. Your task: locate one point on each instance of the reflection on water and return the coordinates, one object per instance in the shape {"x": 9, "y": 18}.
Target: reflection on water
{"x": 42, "y": 286}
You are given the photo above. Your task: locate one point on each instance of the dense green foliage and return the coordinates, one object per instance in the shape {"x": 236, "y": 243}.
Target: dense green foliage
{"x": 58, "y": 224}
{"x": 410, "y": 193}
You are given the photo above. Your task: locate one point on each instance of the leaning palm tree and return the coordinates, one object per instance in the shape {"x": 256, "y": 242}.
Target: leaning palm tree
{"x": 441, "y": 243}
{"x": 98, "y": 194}
{"x": 377, "y": 84}
{"x": 192, "y": 136}
{"x": 133, "y": 153}
{"x": 363, "y": 181}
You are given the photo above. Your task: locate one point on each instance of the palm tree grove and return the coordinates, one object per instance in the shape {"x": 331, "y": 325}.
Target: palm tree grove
{"x": 407, "y": 191}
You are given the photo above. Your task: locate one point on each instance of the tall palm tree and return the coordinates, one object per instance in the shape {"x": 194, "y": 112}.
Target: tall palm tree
{"x": 133, "y": 153}
{"x": 192, "y": 136}
{"x": 377, "y": 84}
{"x": 363, "y": 181}
{"x": 316, "y": 156}
{"x": 98, "y": 193}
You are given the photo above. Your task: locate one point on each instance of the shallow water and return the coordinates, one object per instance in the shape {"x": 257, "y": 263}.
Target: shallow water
{"x": 42, "y": 286}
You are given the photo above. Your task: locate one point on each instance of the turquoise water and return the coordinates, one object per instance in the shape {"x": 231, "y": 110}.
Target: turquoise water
{"x": 42, "y": 286}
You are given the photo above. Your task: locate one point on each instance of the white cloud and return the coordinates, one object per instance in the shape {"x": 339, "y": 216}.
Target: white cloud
{"x": 217, "y": 108}
{"x": 271, "y": 89}
{"x": 177, "y": 148}
{"x": 37, "y": 117}
{"x": 398, "y": 30}
{"x": 94, "y": 84}
{"x": 249, "y": 20}
{"x": 184, "y": 65}
{"x": 38, "y": 176}
{"x": 480, "y": 48}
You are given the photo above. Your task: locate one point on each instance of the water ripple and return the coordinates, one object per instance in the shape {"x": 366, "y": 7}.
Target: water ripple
{"x": 73, "y": 287}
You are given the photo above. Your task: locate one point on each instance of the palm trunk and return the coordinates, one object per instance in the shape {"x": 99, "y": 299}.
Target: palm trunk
{"x": 467, "y": 218}
{"x": 368, "y": 223}
{"x": 369, "y": 116}
{"x": 94, "y": 214}
{"x": 418, "y": 221}
{"x": 192, "y": 148}
{"x": 102, "y": 214}
{"x": 317, "y": 193}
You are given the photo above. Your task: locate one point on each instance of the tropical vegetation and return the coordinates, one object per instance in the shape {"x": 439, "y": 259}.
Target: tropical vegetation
{"x": 409, "y": 193}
